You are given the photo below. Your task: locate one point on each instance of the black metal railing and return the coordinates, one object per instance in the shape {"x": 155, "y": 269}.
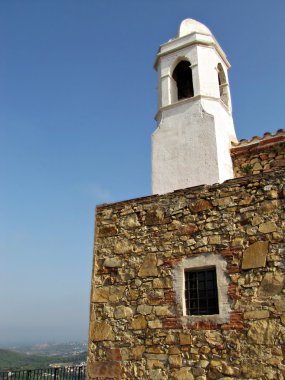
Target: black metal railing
{"x": 60, "y": 373}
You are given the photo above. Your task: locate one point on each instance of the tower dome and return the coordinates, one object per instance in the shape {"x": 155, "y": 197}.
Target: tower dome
{"x": 189, "y": 26}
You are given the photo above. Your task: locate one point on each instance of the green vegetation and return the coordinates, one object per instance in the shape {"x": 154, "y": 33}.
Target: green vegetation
{"x": 279, "y": 147}
{"x": 13, "y": 361}
{"x": 247, "y": 168}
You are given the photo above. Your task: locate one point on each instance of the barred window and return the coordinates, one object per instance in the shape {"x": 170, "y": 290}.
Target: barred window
{"x": 201, "y": 293}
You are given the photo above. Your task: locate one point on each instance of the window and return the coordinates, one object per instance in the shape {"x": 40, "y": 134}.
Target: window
{"x": 182, "y": 75}
{"x": 201, "y": 285}
{"x": 201, "y": 294}
{"x": 223, "y": 85}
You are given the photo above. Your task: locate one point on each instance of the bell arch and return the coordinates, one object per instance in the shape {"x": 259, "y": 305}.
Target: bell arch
{"x": 223, "y": 85}
{"x": 182, "y": 81}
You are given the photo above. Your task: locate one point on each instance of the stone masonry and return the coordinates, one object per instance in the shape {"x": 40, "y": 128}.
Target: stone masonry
{"x": 259, "y": 154}
{"x": 138, "y": 329}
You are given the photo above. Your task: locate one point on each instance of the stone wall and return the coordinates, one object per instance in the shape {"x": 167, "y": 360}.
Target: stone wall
{"x": 138, "y": 329}
{"x": 259, "y": 154}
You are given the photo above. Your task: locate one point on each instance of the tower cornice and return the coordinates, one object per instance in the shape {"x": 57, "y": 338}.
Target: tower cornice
{"x": 157, "y": 116}
{"x": 188, "y": 40}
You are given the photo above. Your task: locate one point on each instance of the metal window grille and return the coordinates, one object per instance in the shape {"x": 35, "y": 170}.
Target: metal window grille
{"x": 201, "y": 293}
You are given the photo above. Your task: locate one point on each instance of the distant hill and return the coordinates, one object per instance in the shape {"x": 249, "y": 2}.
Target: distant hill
{"x": 12, "y": 360}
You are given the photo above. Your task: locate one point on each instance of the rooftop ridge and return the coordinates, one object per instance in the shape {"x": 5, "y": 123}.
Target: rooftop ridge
{"x": 267, "y": 136}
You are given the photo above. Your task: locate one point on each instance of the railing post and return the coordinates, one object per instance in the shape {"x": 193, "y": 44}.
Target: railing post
{"x": 55, "y": 373}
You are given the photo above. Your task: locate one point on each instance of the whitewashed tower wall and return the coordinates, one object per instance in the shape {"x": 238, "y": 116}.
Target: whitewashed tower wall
{"x": 191, "y": 145}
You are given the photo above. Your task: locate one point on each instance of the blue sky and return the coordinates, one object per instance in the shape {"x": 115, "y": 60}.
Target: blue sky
{"x": 77, "y": 106}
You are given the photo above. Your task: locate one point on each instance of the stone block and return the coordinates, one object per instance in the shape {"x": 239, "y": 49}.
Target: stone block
{"x": 268, "y": 332}
{"x": 215, "y": 363}
{"x": 108, "y": 294}
{"x": 170, "y": 339}
{"x": 268, "y": 206}
{"x": 154, "y": 363}
{"x": 139, "y": 323}
{"x": 272, "y": 284}
{"x": 106, "y": 231}
{"x": 123, "y": 312}
{"x": 189, "y": 229}
{"x": 175, "y": 360}
{"x": 115, "y": 354}
{"x": 230, "y": 370}
{"x": 174, "y": 225}
{"x": 112, "y": 262}
{"x": 279, "y": 163}
{"x": 185, "y": 339}
{"x": 154, "y": 216}
{"x": 137, "y": 352}
{"x": 201, "y": 205}
{"x": 199, "y": 373}
{"x": 279, "y": 303}
{"x": 144, "y": 309}
{"x": 125, "y": 352}
{"x": 130, "y": 221}
{"x": 205, "y": 363}
{"x": 205, "y": 349}
{"x": 214, "y": 338}
{"x": 256, "y": 314}
{"x": 100, "y": 294}
{"x": 155, "y": 350}
{"x": 149, "y": 266}
{"x": 274, "y": 361}
{"x": 272, "y": 194}
{"x": 267, "y": 227}
{"x": 162, "y": 283}
{"x": 133, "y": 294}
{"x": 156, "y": 374}
{"x": 162, "y": 310}
{"x": 215, "y": 239}
{"x": 173, "y": 350}
{"x": 183, "y": 374}
{"x": 237, "y": 242}
{"x": 156, "y": 324}
{"x": 105, "y": 370}
{"x": 101, "y": 331}
{"x": 255, "y": 255}
{"x": 257, "y": 166}
{"x": 123, "y": 246}
{"x": 246, "y": 200}
{"x": 116, "y": 293}
{"x": 222, "y": 201}
{"x": 256, "y": 220}
{"x": 251, "y": 371}
{"x": 159, "y": 357}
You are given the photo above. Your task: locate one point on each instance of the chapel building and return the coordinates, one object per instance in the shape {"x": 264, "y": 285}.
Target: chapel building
{"x": 188, "y": 283}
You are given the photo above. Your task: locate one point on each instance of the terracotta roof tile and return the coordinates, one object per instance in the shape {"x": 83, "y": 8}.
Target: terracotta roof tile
{"x": 267, "y": 138}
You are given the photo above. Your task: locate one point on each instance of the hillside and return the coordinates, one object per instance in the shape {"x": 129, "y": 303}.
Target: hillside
{"x": 12, "y": 360}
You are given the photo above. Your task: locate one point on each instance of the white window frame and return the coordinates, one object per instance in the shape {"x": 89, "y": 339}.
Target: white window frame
{"x": 204, "y": 261}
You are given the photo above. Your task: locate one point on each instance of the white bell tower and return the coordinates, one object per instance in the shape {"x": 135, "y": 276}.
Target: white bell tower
{"x": 191, "y": 145}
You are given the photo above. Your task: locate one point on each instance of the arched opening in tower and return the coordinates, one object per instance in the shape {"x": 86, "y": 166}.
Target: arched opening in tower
{"x": 182, "y": 75}
{"x": 223, "y": 85}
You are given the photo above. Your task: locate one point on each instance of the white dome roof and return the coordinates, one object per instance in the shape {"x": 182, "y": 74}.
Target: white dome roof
{"x": 189, "y": 26}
